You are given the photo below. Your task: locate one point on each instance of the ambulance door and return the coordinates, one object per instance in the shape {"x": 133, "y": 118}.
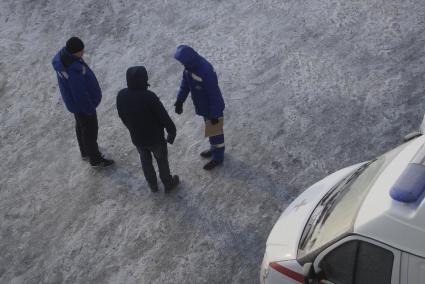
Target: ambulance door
{"x": 413, "y": 269}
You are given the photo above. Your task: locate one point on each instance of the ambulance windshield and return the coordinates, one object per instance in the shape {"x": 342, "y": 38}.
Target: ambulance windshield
{"x": 335, "y": 214}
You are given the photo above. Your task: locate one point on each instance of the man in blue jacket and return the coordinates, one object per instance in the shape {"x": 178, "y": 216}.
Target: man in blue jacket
{"x": 200, "y": 79}
{"x": 143, "y": 114}
{"x": 81, "y": 94}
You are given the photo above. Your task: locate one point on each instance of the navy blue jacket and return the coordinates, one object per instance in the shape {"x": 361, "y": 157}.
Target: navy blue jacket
{"x": 200, "y": 79}
{"x": 142, "y": 112}
{"x": 77, "y": 83}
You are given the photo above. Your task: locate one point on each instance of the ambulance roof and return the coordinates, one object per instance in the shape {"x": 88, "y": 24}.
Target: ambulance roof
{"x": 381, "y": 217}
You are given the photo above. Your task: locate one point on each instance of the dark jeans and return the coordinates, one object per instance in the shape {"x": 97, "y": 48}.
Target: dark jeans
{"x": 86, "y": 127}
{"x": 161, "y": 156}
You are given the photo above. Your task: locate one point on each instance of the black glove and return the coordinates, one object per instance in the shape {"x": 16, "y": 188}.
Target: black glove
{"x": 170, "y": 138}
{"x": 179, "y": 107}
{"x": 214, "y": 120}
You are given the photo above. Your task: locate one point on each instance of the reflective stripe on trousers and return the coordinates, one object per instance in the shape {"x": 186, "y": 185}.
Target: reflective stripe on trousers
{"x": 217, "y": 147}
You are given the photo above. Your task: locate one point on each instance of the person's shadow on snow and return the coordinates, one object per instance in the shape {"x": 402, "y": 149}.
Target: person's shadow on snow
{"x": 132, "y": 180}
{"x": 235, "y": 169}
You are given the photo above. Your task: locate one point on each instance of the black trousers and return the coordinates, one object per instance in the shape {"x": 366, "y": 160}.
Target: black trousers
{"x": 87, "y": 127}
{"x": 160, "y": 153}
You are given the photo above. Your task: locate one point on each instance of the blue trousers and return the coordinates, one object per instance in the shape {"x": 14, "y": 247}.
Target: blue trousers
{"x": 217, "y": 146}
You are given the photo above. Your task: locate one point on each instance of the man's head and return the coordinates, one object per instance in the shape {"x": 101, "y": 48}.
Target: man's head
{"x": 187, "y": 56}
{"x": 137, "y": 78}
{"x": 75, "y": 46}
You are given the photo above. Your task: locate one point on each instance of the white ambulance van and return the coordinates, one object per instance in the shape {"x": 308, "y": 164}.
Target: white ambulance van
{"x": 364, "y": 224}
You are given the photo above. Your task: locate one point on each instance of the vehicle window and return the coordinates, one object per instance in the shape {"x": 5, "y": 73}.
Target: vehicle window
{"x": 357, "y": 262}
{"x": 335, "y": 214}
{"x": 374, "y": 265}
{"x": 338, "y": 265}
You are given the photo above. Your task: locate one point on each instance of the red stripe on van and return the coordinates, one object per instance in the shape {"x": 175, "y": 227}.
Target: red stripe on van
{"x": 287, "y": 272}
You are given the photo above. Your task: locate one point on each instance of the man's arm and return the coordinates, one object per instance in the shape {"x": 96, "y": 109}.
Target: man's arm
{"x": 164, "y": 118}
{"x": 184, "y": 89}
{"x": 79, "y": 91}
{"x": 121, "y": 114}
{"x": 214, "y": 95}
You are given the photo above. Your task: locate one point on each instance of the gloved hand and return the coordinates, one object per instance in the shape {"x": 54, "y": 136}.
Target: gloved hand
{"x": 170, "y": 138}
{"x": 214, "y": 120}
{"x": 179, "y": 107}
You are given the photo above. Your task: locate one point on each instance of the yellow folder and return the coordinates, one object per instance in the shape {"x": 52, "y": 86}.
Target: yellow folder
{"x": 214, "y": 129}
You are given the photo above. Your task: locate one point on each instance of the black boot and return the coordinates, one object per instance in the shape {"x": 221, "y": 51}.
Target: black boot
{"x": 174, "y": 182}
{"x": 206, "y": 153}
{"x": 101, "y": 163}
{"x": 212, "y": 164}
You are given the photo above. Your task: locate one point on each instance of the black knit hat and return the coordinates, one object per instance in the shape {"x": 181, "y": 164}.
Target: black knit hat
{"x": 74, "y": 44}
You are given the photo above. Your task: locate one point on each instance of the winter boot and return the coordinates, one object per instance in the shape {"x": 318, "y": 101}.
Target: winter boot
{"x": 212, "y": 164}
{"x": 174, "y": 182}
{"x": 101, "y": 163}
{"x": 206, "y": 153}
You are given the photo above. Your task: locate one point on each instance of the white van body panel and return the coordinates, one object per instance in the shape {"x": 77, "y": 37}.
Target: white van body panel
{"x": 397, "y": 224}
{"x": 415, "y": 273}
{"x": 282, "y": 242}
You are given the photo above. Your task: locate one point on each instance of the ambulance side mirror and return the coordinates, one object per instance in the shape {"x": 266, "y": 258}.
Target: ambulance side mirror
{"x": 415, "y": 134}
{"x": 309, "y": 274}
{"x": 411, "y": 136}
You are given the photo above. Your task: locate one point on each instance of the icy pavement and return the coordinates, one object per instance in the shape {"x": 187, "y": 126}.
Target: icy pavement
{"x": 310, "y": 87}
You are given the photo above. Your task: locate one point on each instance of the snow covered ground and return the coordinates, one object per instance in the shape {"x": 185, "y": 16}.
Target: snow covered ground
{"x": 310, "y": 87}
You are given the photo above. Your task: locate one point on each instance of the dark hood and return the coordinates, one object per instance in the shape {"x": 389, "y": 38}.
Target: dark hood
{"x": 137, "y": 78}
{"x": 187, "y": 56}
{"x": 57, "y": 62}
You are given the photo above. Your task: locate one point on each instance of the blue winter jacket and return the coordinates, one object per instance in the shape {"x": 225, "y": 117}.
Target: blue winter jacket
{"x": 200, "y": 79}
{"x": 77, "y": 83}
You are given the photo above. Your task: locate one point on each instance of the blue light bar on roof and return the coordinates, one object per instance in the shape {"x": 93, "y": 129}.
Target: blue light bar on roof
{"x": 410, "y": 186}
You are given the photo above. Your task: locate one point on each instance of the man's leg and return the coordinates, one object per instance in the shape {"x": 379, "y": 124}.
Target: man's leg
{"x": 80, "y": 137}
{"x": 89, "y": 128}
{"x": 217, "y": 152}
{"x": 217, "y": 147}
{"x": 148, "y": 169}
{"x": 161, "y": 155}
{"x": 90, "y": 137}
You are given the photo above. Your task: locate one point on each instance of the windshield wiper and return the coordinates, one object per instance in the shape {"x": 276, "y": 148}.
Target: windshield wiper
{"x": 305, "y": 235}
{"x": 359, "y": 171}
{"x": 331, "y": 200}
{"x": 327, "y": 203}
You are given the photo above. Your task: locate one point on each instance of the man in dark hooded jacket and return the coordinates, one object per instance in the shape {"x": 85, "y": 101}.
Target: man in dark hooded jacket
{"x": 81, "y": 94}
{"x": 145, "y": 117}
{"x": 200, "y": 79}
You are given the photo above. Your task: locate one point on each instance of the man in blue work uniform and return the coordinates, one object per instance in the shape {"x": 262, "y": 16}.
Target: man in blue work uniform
{"x": 81, "y": 94}
{"x": 200, "y": 79}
